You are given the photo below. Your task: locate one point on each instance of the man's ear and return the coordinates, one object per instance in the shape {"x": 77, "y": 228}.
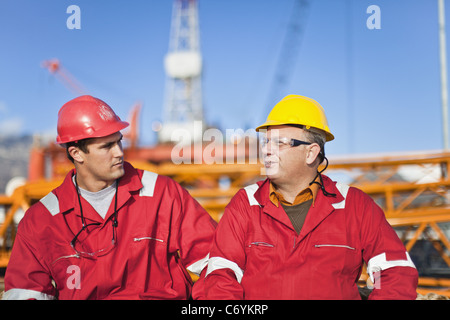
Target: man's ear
{"x": 75, "y": 153}
{"x": 313, "y": 153}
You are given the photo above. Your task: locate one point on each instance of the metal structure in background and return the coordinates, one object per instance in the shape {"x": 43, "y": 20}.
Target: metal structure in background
{"x": 183, "y": 64}
{"x": 413, "y": 191}
{"x": 288, "y": 55}
{"x": 55, "y": 67}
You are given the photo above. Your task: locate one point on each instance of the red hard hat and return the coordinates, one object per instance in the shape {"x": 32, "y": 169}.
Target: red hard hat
{"x": 87, "y": 117}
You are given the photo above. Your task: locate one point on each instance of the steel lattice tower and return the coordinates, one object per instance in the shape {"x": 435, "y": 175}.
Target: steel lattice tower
{"x": 183, "y": 65}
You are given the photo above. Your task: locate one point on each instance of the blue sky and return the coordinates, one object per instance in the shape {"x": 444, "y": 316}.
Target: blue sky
{"x": 380, "y": 88}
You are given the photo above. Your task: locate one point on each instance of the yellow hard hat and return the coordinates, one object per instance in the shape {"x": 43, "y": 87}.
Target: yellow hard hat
{"x": 298, "y": 110}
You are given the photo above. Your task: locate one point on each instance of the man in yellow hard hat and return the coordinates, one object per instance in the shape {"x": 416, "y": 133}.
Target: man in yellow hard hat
{"x": 298, "y": 234}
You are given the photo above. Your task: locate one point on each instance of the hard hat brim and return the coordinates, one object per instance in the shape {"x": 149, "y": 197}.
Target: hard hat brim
{"x": 104, "y": 132}
{"x": 271, "y": 123}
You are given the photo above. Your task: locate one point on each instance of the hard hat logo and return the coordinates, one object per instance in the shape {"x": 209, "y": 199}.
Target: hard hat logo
{"x": 298, "y": 110}
{"x": 87, "y": 117}
{"x": 106, "y": 113}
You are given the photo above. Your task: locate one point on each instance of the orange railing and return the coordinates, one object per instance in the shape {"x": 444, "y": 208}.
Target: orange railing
{"x": 413, "y": 190}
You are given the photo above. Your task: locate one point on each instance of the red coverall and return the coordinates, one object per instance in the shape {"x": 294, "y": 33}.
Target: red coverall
{"x": 257, "y": 254}
{"x": 161, "y": 232}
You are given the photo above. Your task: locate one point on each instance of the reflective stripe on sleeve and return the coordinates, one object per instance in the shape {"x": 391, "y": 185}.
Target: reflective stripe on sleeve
{"x": 199, "y": 265}
{"x": 25, "y": 294}
{"x": 379, "y": 263}
{"x": 216, "y": 263}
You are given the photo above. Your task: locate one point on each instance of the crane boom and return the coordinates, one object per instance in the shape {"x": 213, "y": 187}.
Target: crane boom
{"x": 55, "y": 67}
{"x": 289, "y": 53}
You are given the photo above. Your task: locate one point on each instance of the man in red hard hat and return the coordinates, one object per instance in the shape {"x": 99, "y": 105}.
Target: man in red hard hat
{"x": 109, "y": 231}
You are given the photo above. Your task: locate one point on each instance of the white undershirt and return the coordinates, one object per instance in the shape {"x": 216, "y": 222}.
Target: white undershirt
{"x": 100, "y": 200}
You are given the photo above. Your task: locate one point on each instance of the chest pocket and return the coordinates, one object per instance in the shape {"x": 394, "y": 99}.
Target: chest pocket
{"x": 261, "y": 254}
{"x": 146, "y": 250}
{"x": 67, "y": 268}
{"x": 260, "y": 248}
{"x": 333, "y": 240}
{"x": 147, "y": 247}
{"x": 333, "y": 252}
{"x": 260, "y": 240}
